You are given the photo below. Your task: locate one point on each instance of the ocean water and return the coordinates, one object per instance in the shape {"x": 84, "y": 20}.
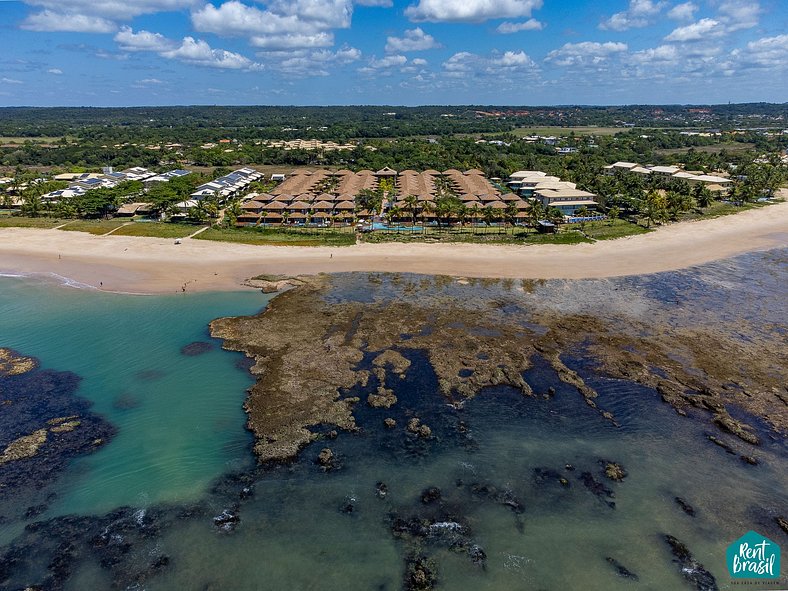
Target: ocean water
{"x": 182, "y": 457}
{"x": 179, "y": 418}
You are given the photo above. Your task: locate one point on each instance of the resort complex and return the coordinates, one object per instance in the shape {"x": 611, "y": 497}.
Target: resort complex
{"x": 322, "y": 196}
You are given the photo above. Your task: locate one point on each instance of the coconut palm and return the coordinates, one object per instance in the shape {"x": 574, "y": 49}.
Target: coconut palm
{"x": 412, "y": 205}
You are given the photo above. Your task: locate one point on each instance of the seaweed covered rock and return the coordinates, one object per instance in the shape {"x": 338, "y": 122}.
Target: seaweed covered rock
{"x": 692, "y": 570}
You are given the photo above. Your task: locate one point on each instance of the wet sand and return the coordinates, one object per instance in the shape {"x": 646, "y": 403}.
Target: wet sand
{"x": 153, "y": 265}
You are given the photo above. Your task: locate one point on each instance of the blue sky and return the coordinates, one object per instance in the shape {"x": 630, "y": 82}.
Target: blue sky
{"x": 409, "y": 52}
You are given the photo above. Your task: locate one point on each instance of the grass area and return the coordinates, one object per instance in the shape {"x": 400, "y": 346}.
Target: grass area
{"x": 157, "y": 230}
{"x": 97, "y": 227}
{"x": 8, "y": 221}
{"x": 610, "y": 230}
{"x": 710, "y": 149}
{"x": 721, "y": 208}
{"x": 482, "y": 235}
{"x": 564, "y": 131}
{"x": 280, "y": 237}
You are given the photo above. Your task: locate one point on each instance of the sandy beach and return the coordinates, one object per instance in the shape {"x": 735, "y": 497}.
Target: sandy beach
{"x": 153, "y": 265}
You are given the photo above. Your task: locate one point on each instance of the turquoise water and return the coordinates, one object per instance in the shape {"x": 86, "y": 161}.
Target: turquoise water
{"x": 181, "y": 456}
{"x": 179, "y": 419}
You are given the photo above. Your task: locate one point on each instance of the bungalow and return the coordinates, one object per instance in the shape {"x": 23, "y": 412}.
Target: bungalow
{"x": 611, "y": 169}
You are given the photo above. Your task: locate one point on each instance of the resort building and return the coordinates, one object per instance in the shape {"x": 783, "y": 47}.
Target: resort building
{"x": 551, "y": 191}
{"x": 713, "y": 182}
{"x": 227, "y": 186}
{"x": 83, "y": 182}
{"x": 323, "y": 197}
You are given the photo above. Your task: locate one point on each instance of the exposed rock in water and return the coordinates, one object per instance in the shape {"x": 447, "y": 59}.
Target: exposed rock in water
{"x": 24, "y": 447}
{"x": 273, "y": 283}
{"x": 614, "y": 471}
{"x": 389, "y": 422}
{"x": 692, "y": 570}
{"x": 685, "y": 506}
{"x": 392, "y": 360}
{"x": 196, "y": 348}
{"x": 227, "y": 520}
{"x": 14, "y": 364}
{"x": 478, "y": 556}
{"x": 416, "y": 427}
{"x": 309, "y": 343}
{"x": 783, "y": 523}
{"x": 621, "y": 570}
{"x": 419, "y": 575}
{"x": 383, "y": 398}
{"x": 326, "y": 458}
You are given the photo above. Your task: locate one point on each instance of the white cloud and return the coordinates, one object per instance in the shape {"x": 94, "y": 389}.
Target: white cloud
{"x": 189, "y": 50}
{"x": 292, "y": 41}
{"x": 69, "y": 23}
{"x": 419, "y": 62}
{"x": 683, "y": 12}
{"x": 639, "y": 14}
{"x": 10, "y": 81}
{"x": 664, "y": 54}
{"x": 739, "y": 14}
{"x": 112, "y": 9}
{"x": 585, "y": 53}
{"x": 412, "y": 40}
{"x": 55, "y": 71}
{"x": 382, "y": 3}
{"x": 313, "y": 63}
{"x": 94, "y": 16}
{"x": 703, "y": 29}
{"x": 767, "y": 52}
{"x": 506, "y": 66}
{"x": 143, "y": 41}
{"x": 470, "y": 10}
{"x": 199, "y": 53}
{"x": 283, "y": 25}
{"x": 148, "y": 81}
{"x": 532, "y": 24}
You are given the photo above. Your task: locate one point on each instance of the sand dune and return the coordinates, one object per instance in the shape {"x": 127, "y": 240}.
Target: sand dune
{"x": 152, "y": 265}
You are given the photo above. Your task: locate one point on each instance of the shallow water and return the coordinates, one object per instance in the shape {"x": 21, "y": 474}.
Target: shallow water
{"x": 181, "y": 441}
{"x": 179, "y": 418}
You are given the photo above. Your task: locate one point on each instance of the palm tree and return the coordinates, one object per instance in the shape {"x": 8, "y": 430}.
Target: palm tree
{"x": 412, "y": 204}
{"x": 703, "y": 197}
{"x": 285, "y": 217}
{"x": 511, "y": 214}
{"x": 427, "y": 208}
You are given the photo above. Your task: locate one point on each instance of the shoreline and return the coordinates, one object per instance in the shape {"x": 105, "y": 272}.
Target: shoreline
{"x": 136, "y": 265}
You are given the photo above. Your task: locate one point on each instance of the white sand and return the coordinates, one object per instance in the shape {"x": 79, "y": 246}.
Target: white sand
{"x": 153, "y": 265}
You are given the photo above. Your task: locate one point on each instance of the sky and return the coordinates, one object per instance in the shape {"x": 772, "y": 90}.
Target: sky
{"x": 392, "y": 52}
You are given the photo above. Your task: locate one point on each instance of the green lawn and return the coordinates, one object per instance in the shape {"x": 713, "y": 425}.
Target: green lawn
{"x": 97, "y": 227}
{"x": 482, "y": 235}
{"x": 280, "y": 237}
{"x": 7, "y": 221}
{"x": 157, "y": 230}
{"x": 607, "y": 230}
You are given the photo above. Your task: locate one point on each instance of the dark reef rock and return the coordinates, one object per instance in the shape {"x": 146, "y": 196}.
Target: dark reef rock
{"x": 419, "y": 574}
{"x": 685, "y": 506}
{"x": 196, "y": 348}
{"x": 42, "y": 426}
{"x": 381, "y": 490}
{"x": 621, "y": 570}
{"x": 603, "y": 493}
{"x": 431, "y": 495}
{"x": 783, "y": 523}
{"x": 692, "y": 570}
{"x": 326, "y": 459}
{"x": 227, "y": 520}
